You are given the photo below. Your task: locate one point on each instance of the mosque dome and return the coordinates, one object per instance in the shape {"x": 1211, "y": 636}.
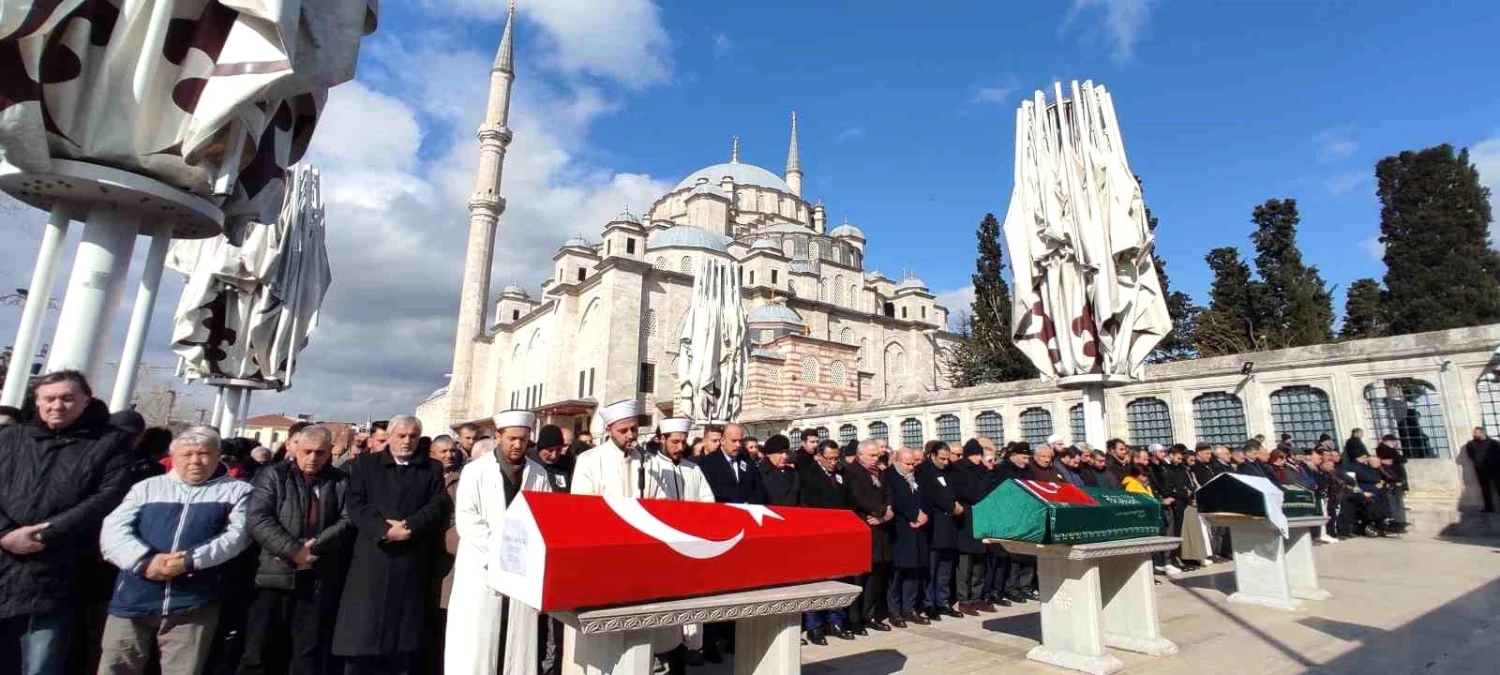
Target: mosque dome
{"x": 577, "y": 242}
{"x": 912, "y": 281}
{"x": 775, "y": 312}
{"x": 514, "y": 289}
{"x": 626, "y": 217}
{"x": 872, "y": 275}
{"x": 688, "y": 236}
{"x": 764, "y": 245}
{"x": 741, "y": 174}
{"x": 847, "y": 231}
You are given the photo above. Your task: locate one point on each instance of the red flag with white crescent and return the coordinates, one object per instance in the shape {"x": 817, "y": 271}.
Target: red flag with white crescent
{"x": 1058, "y": 493}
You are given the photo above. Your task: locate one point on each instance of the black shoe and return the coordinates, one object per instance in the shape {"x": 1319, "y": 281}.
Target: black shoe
{"x": 896, "y": 622}
{"x": 878, "y": 625}
{"x": 933, "y": 615}
{"x": 951, "y": 613}
{"x": 1016, "y": 597}
{"x": 843, "y": 634}
{"x": 816, "y": 637}
{"x": 858, "y": 630}
{"x": 1001, "y": 602}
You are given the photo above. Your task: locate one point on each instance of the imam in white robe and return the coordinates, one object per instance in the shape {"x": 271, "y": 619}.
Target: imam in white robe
{"x": 472, "y": 643}
{"x": 608, "y": 471}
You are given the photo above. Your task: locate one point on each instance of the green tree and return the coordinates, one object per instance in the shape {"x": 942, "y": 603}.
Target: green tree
{"x": 1362, "y": 311}
{"x": 990, "y": 353}
{"x": 1178, "y": 344}
{"x": 1298, "y": 305}
{"x": 1434, "y": 222}
{"x": 1232, "y": 322}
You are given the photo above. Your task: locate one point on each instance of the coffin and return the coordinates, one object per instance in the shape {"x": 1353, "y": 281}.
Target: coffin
{"x": 559, "y": 551}
{"x": 1254, "y": 496}
{"x": 1061, "y": 513}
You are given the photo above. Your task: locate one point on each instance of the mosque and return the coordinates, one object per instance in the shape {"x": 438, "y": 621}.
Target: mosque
{"x": 824, "y": 329}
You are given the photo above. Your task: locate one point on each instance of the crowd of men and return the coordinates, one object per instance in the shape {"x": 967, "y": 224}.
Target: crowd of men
{"x": 130, "y": 550}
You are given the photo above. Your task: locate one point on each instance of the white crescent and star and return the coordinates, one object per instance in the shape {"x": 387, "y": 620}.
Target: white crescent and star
{"x": 635, "y": 515}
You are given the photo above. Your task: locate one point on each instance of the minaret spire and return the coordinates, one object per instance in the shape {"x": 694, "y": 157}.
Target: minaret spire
{"x": 794, "y": 162}
{"x": 734, "y": 151}
{"x": 485, "y": 207}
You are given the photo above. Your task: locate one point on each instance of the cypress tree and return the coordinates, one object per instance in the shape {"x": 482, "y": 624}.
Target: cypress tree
{"x": 1362, "y": 311}
{"x": 993, "y": 356}
{"x": 1434, "y": 222}
{"x": 1232, "y": 322}
{"x": 1298, "y": 304}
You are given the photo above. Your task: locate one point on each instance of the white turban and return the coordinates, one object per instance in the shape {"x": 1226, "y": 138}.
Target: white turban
{"x": 515, "y": 418}
{"x": 1054, "y": 438}
{"x": 676, "y": 425}
{"x": 620, "y": 410}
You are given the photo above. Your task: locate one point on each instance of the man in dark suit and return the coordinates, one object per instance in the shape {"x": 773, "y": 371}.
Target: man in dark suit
{"x": 1020, "y": 574}
{"x": 822, "y": 487}
{"x": 870, "y": 501}
{"x": 910, "y": 543}
{"x": 1255, "y": 462}
{"x": 777, "y": 472}
{"x": 943, "y": 509}
{"x": 970, "y": 481}
{"x": 730, "y": 475}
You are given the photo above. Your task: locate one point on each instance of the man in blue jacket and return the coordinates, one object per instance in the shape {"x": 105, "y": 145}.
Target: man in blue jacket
{"x": 169, "y": 538}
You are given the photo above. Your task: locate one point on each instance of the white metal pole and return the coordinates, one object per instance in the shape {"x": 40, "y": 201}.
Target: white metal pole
{"x": 217, "y": 414}
{"x": 140, "y": 319}
{"x": 93, "y": 291}
{"x": 1094, "y": 429}
{"x": 228, "y": 420}
{"x": 244, "y": 411}
{"x": 35, "y": 312}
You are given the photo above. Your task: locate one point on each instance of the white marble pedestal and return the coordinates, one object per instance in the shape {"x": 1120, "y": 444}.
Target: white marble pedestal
{"x": 768, "y": 627}
{"x": 1093, "y": 596}
{"x": 1269, "y": 570}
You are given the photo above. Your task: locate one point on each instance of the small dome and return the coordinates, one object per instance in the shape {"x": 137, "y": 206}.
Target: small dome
{"x": 872, "y": 275}
{"x": 741, "y": 174}
{"x": 626, "y": 217}
{"x": 577, "y": 242}
{"x": 688, "y": 236}
{"x": 912, "y": 281}
{"x": 764, "y": 245}
{"x": 775, "y": 312}
{"x": 847, "y": 231}
{"x": 514, "y": 289}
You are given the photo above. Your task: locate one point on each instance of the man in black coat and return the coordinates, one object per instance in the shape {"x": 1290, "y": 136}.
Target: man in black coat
{"x": 970, "y": 481}
{"x": 910, "y": 540}
{"x": 870, "y": 500}
{"x": 1484, "y": 455}
{"x": 822, "y": 487}
{"x": 943, "y": 510}
{"x": 730, "y": 475}
{"x": 60, "y": 475}
{"x": 400, "y": 510}
{"x": 1255, "y": 462}
{"x": 777, "y": 473}
{"x": 1117, "y": 464}
{"x": 1020, "y": 574}
{"x": 297, "y": 517}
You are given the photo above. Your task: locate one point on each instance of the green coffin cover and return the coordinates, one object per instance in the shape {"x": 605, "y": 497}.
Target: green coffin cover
{"x": 1298, "y": 502}
{"x": 1051, "y": 513}
{"x": 1230, "y": 493}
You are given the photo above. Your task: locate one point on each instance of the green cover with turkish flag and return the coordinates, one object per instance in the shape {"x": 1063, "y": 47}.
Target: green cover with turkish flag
{"x": 1059, "y": 513}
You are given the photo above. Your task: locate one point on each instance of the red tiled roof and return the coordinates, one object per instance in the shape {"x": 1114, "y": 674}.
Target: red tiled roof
{"x": 278, "y": 421}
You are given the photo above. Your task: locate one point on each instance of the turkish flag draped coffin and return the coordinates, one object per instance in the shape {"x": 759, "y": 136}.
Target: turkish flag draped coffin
{"x": 559, "y": 551}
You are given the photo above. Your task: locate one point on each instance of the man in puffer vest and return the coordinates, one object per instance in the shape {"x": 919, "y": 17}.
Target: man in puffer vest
{"x": 169, "y": 538}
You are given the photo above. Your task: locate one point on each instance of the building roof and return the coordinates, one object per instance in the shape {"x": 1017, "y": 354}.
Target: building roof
{"x": 912, "y": 281}
{"x": 763, "y": 245}
{"x": 577, "y": 242}
{"x": 688, "y": 236}
{"x": 626, "y": 217}
{"x": 775, "y": 312}
{"x": 514, "y": 289}
{"x": 848, "y": 231}
{"x": 277, "y": 421}
{"x": 741, "y": 174}
{"x": 767, "y": 354}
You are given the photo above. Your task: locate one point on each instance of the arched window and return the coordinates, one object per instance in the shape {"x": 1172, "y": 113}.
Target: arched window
{"x": 847, "y": 434}
{"x": 1036, "y": 425}
{"x": 1220, "y": 418}
{"x": 822, "y": 434}
{"x": 812, "y": 250}
{"x": 791, "y": 286}
{"x": 1303, "y": 412}
{"x": 895, "y": 368}
{"x": 823, "y": 290}
{"x": 767, "y": 335}
{"x": 1075, "y": 423}
{"x": 911, "y": 433}
{"x": 878, "y": 430}
{"x": 789, "y": 247}
{"x": 687, "y": 265}
{"x": 853, "y": 297}
{"x": 1412, "y": 411}
{"x": 661, "y": 263}
{"x": 1150, "y": 421}
{"x": 989, "y": 424}
{"x": 947, "y": 429}
{"x": 810, "y": 370}
{"x": 838, "y": 290}
{"x": 838, "y": 375}
{"x": 846, "y": 336}
{"x": 1489, "y": 405}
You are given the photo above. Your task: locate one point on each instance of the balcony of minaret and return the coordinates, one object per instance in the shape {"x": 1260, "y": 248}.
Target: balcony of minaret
{"x": 494, "y": 134}
{"x": 487, "y": 203}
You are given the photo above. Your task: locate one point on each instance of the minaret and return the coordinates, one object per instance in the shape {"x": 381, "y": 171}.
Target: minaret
{"x": 794, "y": 162}
{"x": 485, "y": 207}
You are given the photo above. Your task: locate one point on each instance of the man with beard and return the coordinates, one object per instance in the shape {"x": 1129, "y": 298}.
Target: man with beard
{"x": 480, "y": 620}
{"x": 466, "y": 434}
{"x": 1117, "y": 464}
{"x": 823, "y": 488}
{"x": 617, "y": 466}
{"x": 1068, "y": 465}
{"x": 1176, "y": 494}
{"x": 379, "y": 437}
{"x": 671, "y": 476}
{"x": 943, "y": 509}
{"x": 396, "y": 501}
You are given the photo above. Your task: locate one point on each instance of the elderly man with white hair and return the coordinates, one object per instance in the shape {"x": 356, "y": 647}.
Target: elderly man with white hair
{"x": 170, "y": 538}
{"x": 476, "y": 629}
{"x": 400, "y": 511}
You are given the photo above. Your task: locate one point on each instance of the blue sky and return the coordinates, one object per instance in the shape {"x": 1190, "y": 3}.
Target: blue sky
{"x": 907, "y": 114}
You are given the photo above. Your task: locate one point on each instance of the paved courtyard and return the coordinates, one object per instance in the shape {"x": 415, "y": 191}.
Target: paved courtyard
{"x": 1413, "y": 605}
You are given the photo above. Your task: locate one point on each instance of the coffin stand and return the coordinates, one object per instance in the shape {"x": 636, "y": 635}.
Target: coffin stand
{"x": 1268, "y": 570}
{"x": 767, "y": 628}
{"x": 1093, "y": 596}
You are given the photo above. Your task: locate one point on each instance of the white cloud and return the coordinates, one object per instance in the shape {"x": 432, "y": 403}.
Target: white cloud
{"x": 1123, "y": 22}
{"x": 1348, "y": 182}
{"x": 1335, "y": 145}
{"x": 722, "y": 45}
{"x": 850, "y": 132}
{"x": 995, "y": 94}
{"x": 958, "y": 301}
{"x": 1486, "y": 157}
{"x": 1372, "y": 247}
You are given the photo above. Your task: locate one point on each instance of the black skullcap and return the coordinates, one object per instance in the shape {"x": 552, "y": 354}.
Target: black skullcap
{"x": 129, "y": 421}
{"x": 972, "y": 447}
{"x": 775, "y": 444}
{"x": 549, "y": 436}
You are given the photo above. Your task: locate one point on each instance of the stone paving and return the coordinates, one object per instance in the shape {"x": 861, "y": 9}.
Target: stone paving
{"x": 1411, "y": 605}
